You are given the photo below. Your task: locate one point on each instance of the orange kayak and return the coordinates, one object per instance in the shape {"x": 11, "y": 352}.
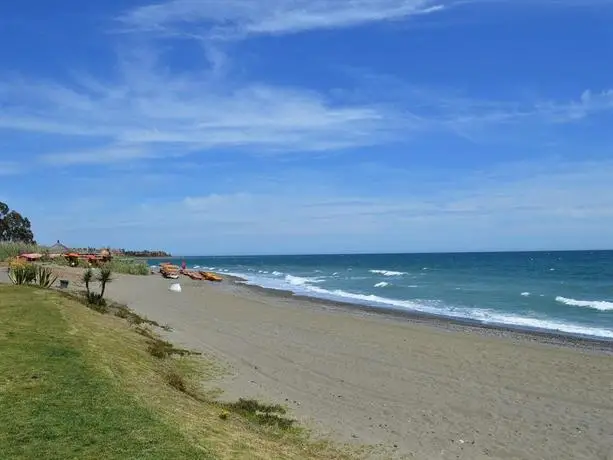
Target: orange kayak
{"x": 211, "y": 276}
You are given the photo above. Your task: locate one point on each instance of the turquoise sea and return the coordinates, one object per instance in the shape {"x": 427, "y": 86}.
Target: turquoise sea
{"x": 568, "y": 292}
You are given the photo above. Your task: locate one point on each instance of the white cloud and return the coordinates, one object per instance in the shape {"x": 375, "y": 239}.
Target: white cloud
{"x": 238, "y": 18}
{"x": 150, "y": 112}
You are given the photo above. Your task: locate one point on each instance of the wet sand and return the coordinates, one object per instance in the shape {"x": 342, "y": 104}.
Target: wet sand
{"x": 420, "y": 388}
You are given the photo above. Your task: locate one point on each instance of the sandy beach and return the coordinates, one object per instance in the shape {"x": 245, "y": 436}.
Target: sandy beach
{"x": 417, "y": 389}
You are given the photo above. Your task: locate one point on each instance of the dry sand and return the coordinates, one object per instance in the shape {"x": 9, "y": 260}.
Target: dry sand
{"x": 422, "y": 391}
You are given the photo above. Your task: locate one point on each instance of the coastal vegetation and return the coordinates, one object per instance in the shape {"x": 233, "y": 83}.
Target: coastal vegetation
{"x": 104, "y": 276}
{"x": 125, "y": 266}
{"x": 145, "y": 254}
{"x": 80, "y": 384}
{"x": 17, "y": 238}
{"x": 11, "y": 249}
{"x": 22, "y": 272}
{"x": 14, "y": 227}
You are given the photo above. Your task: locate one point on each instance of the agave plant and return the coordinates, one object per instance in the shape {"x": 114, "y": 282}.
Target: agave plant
{"x": 23, "y": 274}
{"x": 45, "y": 277}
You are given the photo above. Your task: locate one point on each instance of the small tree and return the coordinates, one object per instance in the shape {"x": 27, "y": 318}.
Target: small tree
{"x": 87, "y": 277}
{"x": 104, "y": 277}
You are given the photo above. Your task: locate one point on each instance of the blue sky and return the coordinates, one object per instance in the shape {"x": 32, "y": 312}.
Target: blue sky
{"x": 310, "y": 126}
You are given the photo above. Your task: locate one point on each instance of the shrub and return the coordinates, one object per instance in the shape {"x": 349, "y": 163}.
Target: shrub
{"x": 162, "y": 349}
{"x": 104, "y": 277}
{"x": 87, "y": 277}
{"x": 176, "y": 381}
{"x": 45, "y": 277}
{"x": 129, "y": 267}
{"x": 11, "y": 250}
{"x": 264, "y": 414}
{"x": 24, "y": 274}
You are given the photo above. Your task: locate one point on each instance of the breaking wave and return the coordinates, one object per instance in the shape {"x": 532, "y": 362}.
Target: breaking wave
{"x": 596, "y": 304}
{"x": 387, "y": 272}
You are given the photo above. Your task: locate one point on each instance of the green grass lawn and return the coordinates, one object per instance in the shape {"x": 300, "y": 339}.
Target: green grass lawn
{"x": 55, "y": 405}
{"x": 77, "y": 384}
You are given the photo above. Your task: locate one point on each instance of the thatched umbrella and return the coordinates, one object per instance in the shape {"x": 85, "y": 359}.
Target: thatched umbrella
{"x": 105, "y": 254}
{"x": 58, "y": 249}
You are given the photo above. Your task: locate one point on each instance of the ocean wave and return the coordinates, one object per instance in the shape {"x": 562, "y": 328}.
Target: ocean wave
{"x": 304, "y": 286}
{"x": 276, "y": 273}
{"x": 542, "y": 324}
{"x": 525, "y": 294}
{"x": 387, "y": 272}
{"x": 301, "y": 281}
{"x": 596, "y": 304}
{"x": 382, "y": 284}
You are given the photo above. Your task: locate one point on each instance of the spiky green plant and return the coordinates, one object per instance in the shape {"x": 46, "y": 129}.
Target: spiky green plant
{"x": 24, "y": 274}
{"x": 45, "y": 277}
{"x": 87, "y": 277}
{"x": 104, "y": 277}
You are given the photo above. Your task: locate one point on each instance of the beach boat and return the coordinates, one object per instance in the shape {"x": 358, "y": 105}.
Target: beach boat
{"x": 211, "y": 276}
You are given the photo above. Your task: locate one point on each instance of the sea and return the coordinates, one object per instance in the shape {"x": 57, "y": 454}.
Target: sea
{"x": 558, "y": 292}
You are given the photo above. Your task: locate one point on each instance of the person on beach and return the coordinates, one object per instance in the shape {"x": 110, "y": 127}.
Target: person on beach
{"x": 183, "y": 265}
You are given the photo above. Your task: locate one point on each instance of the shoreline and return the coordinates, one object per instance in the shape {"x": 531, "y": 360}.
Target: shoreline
{"x": 467, "y": 325}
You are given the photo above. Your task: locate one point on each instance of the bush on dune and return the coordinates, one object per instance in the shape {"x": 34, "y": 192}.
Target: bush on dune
{"x": 129, "y": 267}
{"x": 9, "y": 250}
{"x": 117, "y": 265}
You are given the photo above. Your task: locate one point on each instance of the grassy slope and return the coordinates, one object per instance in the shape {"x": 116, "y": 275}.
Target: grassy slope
{"x": 55, "y": 404}
{"x": 77, "y": 384}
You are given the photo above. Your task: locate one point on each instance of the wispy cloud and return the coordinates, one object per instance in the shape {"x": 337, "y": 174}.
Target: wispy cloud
{"x": 148, "y": 111}
{"x": 240, "y": 18}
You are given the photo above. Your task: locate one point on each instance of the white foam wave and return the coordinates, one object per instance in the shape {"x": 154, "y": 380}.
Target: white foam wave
{"x": 304, "y": 286}
{"x": 276, "y": 273}
{"x": 382, "y": 284}
{"x": 196, "y": 266}
{"x": 300, "y": 281}
{"x": 596, "y": 304}
{"x": 387, "y": 272}
{"x": 525, "y": 294}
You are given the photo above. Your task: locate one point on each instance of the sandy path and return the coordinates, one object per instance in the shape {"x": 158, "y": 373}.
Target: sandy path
{"x": 432, "y": 393}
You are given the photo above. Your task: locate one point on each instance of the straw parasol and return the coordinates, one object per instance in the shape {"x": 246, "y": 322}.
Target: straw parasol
{"x": 58, "y": 249}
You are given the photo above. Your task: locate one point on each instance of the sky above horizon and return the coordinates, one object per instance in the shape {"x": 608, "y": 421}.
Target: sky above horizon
{"x": 309, "y": 126}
